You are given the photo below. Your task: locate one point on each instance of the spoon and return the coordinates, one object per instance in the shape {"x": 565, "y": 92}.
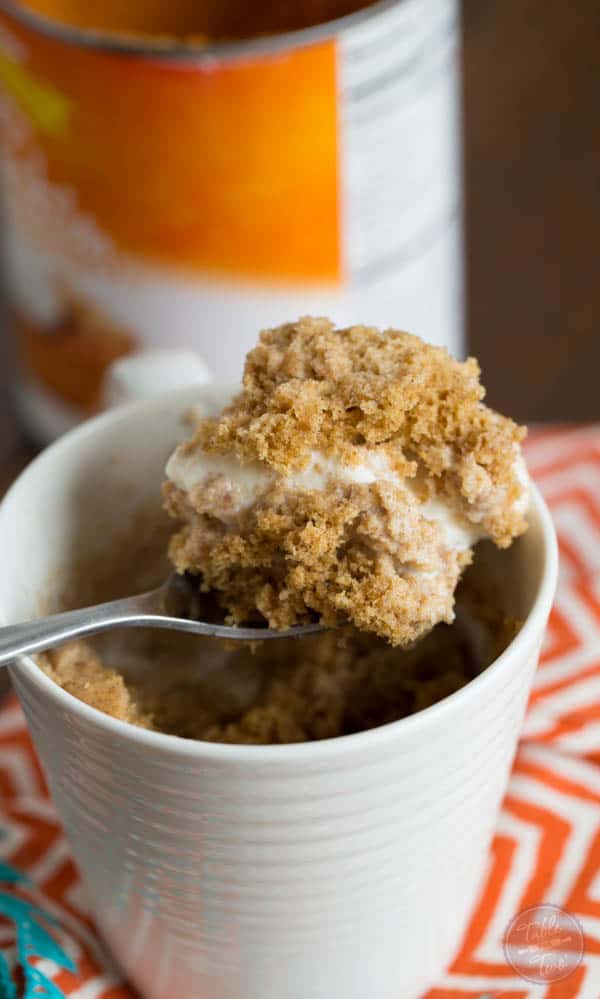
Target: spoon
{"x": 177, "y": 605}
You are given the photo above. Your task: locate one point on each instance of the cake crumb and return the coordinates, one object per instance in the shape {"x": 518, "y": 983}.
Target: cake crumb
{"x": 78, "y": 670}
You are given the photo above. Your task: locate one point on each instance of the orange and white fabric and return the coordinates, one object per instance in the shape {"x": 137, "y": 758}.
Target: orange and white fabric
{"x": 547, "y": 843}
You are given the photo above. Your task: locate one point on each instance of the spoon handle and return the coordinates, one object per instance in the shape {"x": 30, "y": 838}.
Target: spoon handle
{"x": 143, "y": 610}
{"x": 47, "y": 632}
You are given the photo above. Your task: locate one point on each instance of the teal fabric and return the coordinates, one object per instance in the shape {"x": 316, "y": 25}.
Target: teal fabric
{"x": 33, "y": 940}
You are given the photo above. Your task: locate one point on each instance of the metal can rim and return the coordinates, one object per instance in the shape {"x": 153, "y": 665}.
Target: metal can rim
{"x": 178, "y": 51}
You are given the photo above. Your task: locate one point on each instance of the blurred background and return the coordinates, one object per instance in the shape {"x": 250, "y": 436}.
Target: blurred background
{"x": 531, "y": 93}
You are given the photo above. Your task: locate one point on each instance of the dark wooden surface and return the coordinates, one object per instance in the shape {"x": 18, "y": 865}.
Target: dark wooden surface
{"x": 14, "y": 449}
{"x": 532, "y": 113}
{"x": 532, "y": 99}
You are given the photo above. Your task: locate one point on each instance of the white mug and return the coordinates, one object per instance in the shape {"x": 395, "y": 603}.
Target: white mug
{"x": 338, "y": 869}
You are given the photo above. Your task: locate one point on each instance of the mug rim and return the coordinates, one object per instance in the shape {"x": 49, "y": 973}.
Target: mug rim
{"x": 313, "y": 750}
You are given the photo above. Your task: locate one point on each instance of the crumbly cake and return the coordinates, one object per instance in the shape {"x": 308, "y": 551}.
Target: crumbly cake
{"x": 80, "y": 671}
{"x": 323, "y": 686}
{"x": 376, "y": 467}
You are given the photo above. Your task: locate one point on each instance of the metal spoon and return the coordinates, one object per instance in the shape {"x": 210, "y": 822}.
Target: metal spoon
{"x": 177, "y": 605}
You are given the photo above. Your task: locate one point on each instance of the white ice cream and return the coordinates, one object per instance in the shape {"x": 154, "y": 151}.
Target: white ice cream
{"x": 522, "y": 503}
{"x": 248, "y": 480}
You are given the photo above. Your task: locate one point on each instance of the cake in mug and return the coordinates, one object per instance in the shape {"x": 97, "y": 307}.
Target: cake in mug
{"x": 349, "y": 481}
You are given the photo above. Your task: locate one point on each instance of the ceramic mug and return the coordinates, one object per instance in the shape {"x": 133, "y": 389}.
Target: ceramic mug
{"x": 339, "y": 869}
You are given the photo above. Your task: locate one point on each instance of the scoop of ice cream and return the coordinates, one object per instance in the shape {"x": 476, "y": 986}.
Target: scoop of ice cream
{"x": 245, "y": 484}
{"x": 349, "y": 479}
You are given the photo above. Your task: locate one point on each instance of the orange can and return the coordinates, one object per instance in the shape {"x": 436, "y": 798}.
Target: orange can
{"x": 174, "y": 191}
